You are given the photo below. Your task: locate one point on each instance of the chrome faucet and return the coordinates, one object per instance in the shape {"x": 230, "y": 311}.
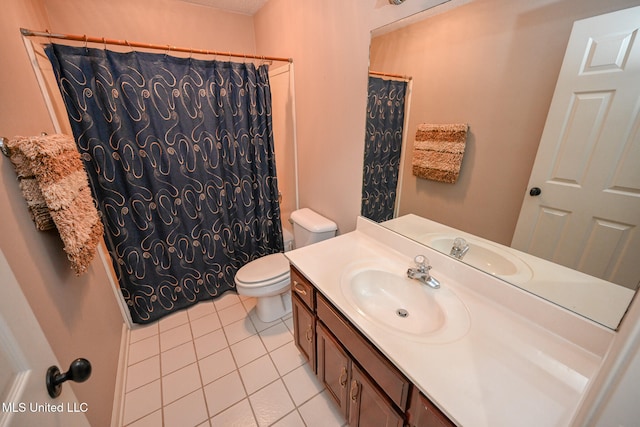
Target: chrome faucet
{"x": 421, "y": 272}
{"x": 460, "y": 248}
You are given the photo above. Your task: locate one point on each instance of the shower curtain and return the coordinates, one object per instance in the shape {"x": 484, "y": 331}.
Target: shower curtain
{"x": 383, "y": 144}
{"x": 180, "y": 157}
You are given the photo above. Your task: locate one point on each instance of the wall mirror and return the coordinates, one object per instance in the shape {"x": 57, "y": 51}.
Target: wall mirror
{"x": 494, "y": 65}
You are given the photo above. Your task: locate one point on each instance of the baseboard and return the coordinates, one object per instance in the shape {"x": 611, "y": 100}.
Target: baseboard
{"x": 117, "y": 414}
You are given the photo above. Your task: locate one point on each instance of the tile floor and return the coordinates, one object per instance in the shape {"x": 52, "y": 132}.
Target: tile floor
{"x": 217, "y": 364}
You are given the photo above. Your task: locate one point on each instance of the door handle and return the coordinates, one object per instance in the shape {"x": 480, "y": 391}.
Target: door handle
{"x": 535, "y": 191}
{"x": 79, "y": 371}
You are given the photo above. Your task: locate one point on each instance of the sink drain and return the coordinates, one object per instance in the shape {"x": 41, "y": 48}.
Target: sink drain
{"x": 401, "y": 312}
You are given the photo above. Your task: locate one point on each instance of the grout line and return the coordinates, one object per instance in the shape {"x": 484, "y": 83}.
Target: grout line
{"x": 280, "y": 377}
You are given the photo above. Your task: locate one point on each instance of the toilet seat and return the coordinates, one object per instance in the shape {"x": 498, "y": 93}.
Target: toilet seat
{"x": 264, "y": 271}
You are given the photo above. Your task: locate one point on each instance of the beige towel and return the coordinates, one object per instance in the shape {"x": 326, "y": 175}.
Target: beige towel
{"x": 54, "y": 163}
{"x": 438, "y": 151}
{"x": 30, "y": 190}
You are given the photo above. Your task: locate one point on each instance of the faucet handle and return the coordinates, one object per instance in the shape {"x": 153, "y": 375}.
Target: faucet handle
{"x": 459, "y": 243}
{"x": 422, "y": 262}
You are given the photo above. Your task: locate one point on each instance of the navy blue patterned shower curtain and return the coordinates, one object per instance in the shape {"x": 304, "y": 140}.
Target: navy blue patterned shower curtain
{"x": 180, "y": 158}
{"x": 383, "y": 144}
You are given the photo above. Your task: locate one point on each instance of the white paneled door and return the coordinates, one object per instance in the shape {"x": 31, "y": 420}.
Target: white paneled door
{"x": 25, "y": 356}
{"x": 582, "y": 209}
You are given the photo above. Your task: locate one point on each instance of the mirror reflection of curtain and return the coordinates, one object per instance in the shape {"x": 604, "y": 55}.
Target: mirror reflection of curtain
{"x": 383, "y": 144}
{"x": 180, "y": 157}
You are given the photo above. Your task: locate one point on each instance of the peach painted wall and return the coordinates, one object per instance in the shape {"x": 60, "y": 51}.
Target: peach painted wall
{"x": 329, "y": 43}
{"x": 492, "y": 64}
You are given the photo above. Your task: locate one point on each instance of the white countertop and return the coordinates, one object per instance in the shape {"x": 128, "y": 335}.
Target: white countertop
{"x": 507, "y": 370}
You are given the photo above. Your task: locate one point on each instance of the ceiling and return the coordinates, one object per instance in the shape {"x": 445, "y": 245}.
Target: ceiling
{"x": 246, "y": 7}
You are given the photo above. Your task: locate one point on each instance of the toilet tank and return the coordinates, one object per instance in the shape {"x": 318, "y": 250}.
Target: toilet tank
{"x": 310, "y": 227}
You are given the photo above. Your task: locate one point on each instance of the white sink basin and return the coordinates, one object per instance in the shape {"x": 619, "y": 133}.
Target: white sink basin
{"x": 485, "y": 256}
{"x": 404, "y": 306}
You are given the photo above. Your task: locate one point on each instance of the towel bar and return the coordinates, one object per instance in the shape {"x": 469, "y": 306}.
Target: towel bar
{"x": 3, "y": 146}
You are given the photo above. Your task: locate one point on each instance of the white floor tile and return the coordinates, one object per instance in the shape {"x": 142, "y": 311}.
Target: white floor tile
{"x": 258, "y": 374}
{"x": 144, "y": 349}
{"x": 226, "y": 300}
{"x": 173, "y": 320}
{"x": 289, "y": 322}
{"x": 287, "y": 358}
{"x": 276, "y": 336}
{"x": 292, "y": 419}
{"x": 152, "y": 420}
{"x": 142, "y": 402}
{"x": 205, "y": 324}
{"x": 201, "y": 309}
{"x": 224, "y": 392}
{"x": 216, "y": 366}
{"x": 237, "y": 331}
{"x": 177, "y": 357}
{"x": 302, "y": 384}
{"x": 143, "y": 373}
{"x": 239, "y": 415}
{"x": 232, "y": 314}
{"x": 141, "y": 332}
{"x": 190, "y": 411}
{"x": 271, "y": 403}
{"x": 180, "y": 383}
{"x": 175, "y": 336}
{"x": 248, "y": 350}
{"x": 321, "y": 412}
{"x": 210, "y": 343}
{"x": 252, "y": 372}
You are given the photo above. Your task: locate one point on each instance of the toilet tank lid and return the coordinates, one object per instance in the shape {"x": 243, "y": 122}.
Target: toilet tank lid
{"x": 312, "y": 221}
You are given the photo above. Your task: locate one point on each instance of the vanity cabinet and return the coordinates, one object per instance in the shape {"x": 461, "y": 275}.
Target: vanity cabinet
{"x": 368, "y": 390}
{"x": 423, "y": 413}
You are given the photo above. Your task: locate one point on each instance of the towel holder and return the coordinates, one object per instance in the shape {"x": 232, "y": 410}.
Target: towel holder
{"x": 3, "y": 146}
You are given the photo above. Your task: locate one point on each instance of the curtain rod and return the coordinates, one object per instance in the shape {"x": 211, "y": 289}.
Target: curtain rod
{"x": 167, "y": 48}
{"x": 395, "y": 76}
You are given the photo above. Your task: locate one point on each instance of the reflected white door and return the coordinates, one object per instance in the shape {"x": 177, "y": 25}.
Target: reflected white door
{"x": 588, "y": 163}
{"x": 25, "y": 356}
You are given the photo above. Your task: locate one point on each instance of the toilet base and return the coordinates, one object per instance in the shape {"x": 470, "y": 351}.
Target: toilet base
{"x": 269, "y": 309}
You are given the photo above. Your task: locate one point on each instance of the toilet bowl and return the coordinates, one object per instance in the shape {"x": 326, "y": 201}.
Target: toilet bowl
{"x": 268, "y": 279}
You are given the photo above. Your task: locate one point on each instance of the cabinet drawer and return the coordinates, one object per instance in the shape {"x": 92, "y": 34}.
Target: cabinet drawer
{"x": 387, "y": 376}
{"x": 423, "y": 413}
{"x": 302, "y": 288}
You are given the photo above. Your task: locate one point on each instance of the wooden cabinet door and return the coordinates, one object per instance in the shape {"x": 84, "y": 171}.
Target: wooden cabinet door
{"x": 367, "y": 406}
{"x": 304, "y": 331}
{"x": 423, "y": 413}
{"x": 334, "y": 366}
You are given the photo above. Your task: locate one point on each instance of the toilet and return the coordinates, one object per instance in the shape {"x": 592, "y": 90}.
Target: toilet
{"x": 268, "y": 279}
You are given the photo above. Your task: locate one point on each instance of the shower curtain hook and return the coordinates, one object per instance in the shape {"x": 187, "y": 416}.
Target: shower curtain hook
{"x": 128, "y": 44}
{"x": 104, "y": 43}
{"x": 85, "y": 43}
{"x": 49, "y": 35}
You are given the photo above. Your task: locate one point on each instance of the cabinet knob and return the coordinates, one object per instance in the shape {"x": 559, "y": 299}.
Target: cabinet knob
{"x": 309, "y": 333}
